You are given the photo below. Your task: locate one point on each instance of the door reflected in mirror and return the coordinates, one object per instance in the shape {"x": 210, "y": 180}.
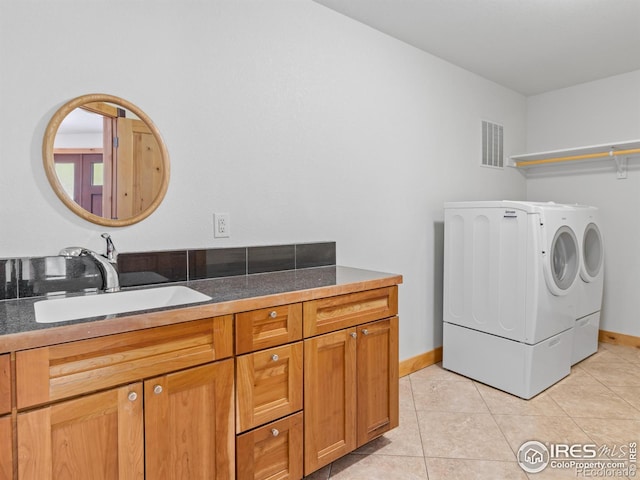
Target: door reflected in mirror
{"x": 105, "y": 160}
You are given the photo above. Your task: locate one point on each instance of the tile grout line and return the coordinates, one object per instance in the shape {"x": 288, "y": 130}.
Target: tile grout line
{"x": 619, "y": 360}
{"x": 415, "y": 411}
{"x": 504, "y": 436}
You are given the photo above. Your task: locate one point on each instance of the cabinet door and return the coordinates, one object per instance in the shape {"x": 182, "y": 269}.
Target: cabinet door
{"x": 269, "y": 385}
{"x": 98, "y": 436}
{"x": 272, "y": 452}
{"x": 329, "y": 397}
{"x": 6, "y": 449}
{"x": 189, "y": 424}
{"x": 377, "y": 362}
{"x": 5, "y": 384}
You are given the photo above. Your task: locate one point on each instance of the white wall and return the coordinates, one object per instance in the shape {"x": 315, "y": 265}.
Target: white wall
{"x": 301, "y": 123}
{"x": 590, "y": 114}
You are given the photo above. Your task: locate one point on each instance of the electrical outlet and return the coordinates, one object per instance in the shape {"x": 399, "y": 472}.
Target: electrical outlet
{"x": 221, "y": 225}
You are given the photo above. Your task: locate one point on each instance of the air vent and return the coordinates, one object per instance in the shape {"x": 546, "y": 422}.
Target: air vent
{"x": 492, "y": 145}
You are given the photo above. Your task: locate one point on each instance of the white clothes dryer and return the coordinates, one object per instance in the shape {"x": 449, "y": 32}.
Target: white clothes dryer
{"x": 510, "y": 272}
{"x": 590, "y": 283}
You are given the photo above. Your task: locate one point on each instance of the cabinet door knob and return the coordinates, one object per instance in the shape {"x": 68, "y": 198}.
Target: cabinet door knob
{"x": 275, "y": 432}
{"x": 132, "y": 396}
{"x": 273, "y": 314}
{"x": 365, "y": 331}
{"x": 157, "y": 389}
{"x": 354, "y": 335}
{"x": 275, "y": 357}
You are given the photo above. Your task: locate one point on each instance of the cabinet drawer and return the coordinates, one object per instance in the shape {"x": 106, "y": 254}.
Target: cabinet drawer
{"x": 272, "y": 451}
{"x": 344, "y": 311}
{"x": 268, "y": 385}
{"x": 268, "y": 327}
{"x": 60, "y": 371}
{"x": 5, "y": 384}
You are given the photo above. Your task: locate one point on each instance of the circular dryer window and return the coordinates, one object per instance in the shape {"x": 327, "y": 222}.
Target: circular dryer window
{"x": 564, "y": 258}
{"x": 592, "y": 250}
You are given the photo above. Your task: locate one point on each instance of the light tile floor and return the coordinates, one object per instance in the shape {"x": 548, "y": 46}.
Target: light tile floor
{"x": 454, "y": 428}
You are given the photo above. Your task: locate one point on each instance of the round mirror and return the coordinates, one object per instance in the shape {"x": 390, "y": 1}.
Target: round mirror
{"x": 106, "y": 160}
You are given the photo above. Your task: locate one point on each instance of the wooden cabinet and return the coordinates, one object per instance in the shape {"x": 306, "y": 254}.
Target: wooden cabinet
{"x": 273, "y": 451}
{"x": 6, "y": 448}
{"x": 334, "y": 313}
{"x": 377, "y": 379}
{"x": 170, "y": 423}
{"x": 5, "y": 384}
{"x": 350, "y": 375}
{"x": 308, "y": 383}
{"x": 189, "y": 424}
{"x": 98, "y": 436}
{"x": 75, "y": 368}
{"x": 269, "y": 388}
{"x": 269, "y": 385}
{"x": 177, "y": 426}
{"x": 330, "y": 398}
{"x": 6, "y": 430}
{"x": 268, "y": 327}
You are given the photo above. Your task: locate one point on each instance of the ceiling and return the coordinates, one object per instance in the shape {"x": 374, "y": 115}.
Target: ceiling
{"x": 530, "y": 46}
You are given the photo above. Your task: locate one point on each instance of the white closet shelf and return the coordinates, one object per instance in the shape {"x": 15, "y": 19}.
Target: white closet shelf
{"x": 619, "y": 152}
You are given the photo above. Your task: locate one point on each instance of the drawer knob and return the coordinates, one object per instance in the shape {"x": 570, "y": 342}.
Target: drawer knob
{"x": 275, "y": 432}
{"x": 273, "y": 314}
{"x": 354, "y": 335}
{"x": 157, "y": 389}
{"x": 275, "y": 357}
{"x": 132, "y": 396}
{"x": 365, "y": 331}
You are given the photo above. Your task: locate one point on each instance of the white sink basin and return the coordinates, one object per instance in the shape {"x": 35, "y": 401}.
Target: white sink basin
{"x": 74, "y": 308}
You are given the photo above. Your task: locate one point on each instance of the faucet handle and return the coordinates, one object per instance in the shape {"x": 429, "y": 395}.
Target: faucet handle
{"x": 112, "y": 253}
{"x": 71, "y": 252}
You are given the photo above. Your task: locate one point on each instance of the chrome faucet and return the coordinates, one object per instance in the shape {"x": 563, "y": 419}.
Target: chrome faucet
{"x": 107, "y": 264}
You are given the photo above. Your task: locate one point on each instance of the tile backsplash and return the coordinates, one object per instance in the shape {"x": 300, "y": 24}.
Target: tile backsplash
{"x": 269, "y": 259}
{"x": 152, "y": 267}
{"x": 45, "y": 275}
{"x": 37, "y": 276}
{"x": 8, "y": 279}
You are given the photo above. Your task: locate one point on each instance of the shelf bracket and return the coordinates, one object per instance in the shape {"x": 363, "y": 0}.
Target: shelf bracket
{"x": 621, "y": 166}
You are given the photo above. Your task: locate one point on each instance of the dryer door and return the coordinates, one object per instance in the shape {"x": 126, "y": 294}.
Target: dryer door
{"x": 563, "y": 261}
{"x": 592, "y": 253}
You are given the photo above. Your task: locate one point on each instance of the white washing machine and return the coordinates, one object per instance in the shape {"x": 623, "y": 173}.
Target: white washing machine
{"x": 510, "y": 292}
{"x": 590, "y": 283}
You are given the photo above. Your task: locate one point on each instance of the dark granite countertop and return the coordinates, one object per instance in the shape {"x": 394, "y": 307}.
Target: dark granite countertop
{"x": 19, "y": 329}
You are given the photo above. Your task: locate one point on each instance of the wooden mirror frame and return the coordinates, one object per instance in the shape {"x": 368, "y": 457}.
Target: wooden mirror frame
{"x": 49, "y": 164}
